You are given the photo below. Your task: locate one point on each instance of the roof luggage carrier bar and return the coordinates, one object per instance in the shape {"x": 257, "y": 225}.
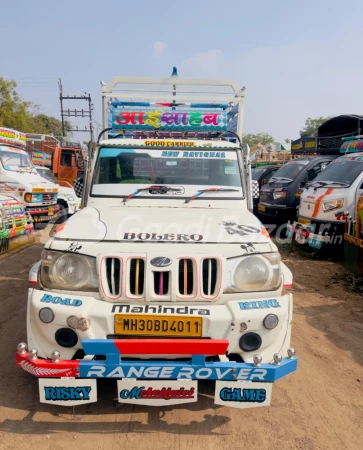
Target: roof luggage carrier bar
{"x": 162, "y": 135}
{"x": 171, "y": 94}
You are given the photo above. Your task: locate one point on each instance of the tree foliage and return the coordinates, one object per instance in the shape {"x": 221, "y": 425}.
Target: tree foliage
{"x": 24, "y": 116}
{"x": 312, "y": 125}
{"x": 259, "y": 138}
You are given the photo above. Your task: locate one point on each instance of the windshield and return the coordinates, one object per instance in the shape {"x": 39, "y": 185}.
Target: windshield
{"x": 14, "y": 159}
{"x": 257, "y": 173}
{"x": 342, "y": 170}
{"x": 47, "y": 174}
{"x": 121, "y": 172}
{"x": 291, "y": 169}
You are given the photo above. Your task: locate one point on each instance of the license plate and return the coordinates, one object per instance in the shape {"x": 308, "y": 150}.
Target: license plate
{"x": 146, "y": 325}
{"x": 50, "y": 211}
{"x": 261, "y": 208}
{"x": 304, "y": 221}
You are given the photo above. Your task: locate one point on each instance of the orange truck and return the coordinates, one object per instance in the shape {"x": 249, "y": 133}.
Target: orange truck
{"x": 65, "y": 159}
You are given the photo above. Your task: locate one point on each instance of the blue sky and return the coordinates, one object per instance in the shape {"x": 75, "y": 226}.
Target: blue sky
{"x": 296, "y": 58}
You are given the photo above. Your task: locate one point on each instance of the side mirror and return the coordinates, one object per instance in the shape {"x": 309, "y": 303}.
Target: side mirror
{"x": 264, "y": 181}
{"x": 78, "y": 187}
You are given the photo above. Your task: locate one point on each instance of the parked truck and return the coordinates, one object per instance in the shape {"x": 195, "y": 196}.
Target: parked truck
{"x": 165, "y": 277}
{"x": 65, "y": 159}
{"x": 19, "y": 177}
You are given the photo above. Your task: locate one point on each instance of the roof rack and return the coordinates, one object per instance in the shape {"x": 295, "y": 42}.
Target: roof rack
{"x": 171, "y": 107}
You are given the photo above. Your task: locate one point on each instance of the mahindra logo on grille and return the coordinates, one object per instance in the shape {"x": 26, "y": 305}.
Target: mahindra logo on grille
{"x": 161, "y": 261}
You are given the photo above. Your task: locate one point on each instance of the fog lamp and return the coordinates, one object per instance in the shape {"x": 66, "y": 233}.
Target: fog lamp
{"x": 270, "y": 321}
{"x": 46, "y": 315}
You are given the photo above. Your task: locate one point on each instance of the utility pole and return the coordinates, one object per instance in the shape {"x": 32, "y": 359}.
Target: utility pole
{"x": 84, "y": 113}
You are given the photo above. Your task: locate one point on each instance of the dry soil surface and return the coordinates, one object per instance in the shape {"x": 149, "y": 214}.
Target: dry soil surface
{"x": 318, "y": 407}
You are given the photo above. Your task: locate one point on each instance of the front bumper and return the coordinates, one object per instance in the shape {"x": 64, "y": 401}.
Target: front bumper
{"x": 276, "y": 211}
{"x": 316, "y": 233}
{"x": 97, "y": 319}
{"x": 231, "y": 377}
{"x": 43, "y": 214}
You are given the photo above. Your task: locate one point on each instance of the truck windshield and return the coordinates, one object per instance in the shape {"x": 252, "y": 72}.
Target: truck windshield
{"x": 291, "y": 169}
{"x": 257, "y": 173}
{"x": 47, "y": 174}
{"x": 343, "y": 170}
{"x": 121, "y": 172}
{"x": 14, "y": 159}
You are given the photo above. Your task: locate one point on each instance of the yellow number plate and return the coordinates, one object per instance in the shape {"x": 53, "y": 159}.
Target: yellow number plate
{"x": 304, "y": 221}
{"x": 38, "y": 190}
{"x": 147, "y": 325}
{"x": 261, "y": 208}
{"x": 50, "y": 211}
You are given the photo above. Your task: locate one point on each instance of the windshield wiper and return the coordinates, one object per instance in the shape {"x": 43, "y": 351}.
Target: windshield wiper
{"x": 161, "y": 189}
{"x": 280, "y": 178}
{"x": 327, "y": 183}
{"x": 201, "y": 192}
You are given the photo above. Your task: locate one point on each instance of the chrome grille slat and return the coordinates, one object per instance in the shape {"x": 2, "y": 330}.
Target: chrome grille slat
{"x": 137, "y": 277}
{"x": 210, "y": 268}
{"x": 186, "y": 277}
{"x": 113, "y": 269}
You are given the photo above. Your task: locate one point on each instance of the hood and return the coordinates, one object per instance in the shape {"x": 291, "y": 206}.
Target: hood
{"x": 313, "y": 198}
{"x": 184, "y": 225}
{"x": 29, "y": 179}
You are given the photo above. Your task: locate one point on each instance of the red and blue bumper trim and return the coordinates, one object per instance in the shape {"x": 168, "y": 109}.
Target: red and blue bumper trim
{"x": 112, "y": 365}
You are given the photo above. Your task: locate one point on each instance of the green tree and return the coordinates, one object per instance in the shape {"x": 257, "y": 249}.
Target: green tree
{"x": 14, "y": 113}
{"x": 312, "y": 125}
{"x": 50, "y": 125}
{"x": 259, "y": 138}
{"x": 24, "y": 116}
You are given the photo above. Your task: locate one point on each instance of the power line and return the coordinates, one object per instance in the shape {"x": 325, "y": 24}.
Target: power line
{"x": 79, "y": 113}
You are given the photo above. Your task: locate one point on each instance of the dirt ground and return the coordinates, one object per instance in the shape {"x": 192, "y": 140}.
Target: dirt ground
{"x": 318, "y": 407}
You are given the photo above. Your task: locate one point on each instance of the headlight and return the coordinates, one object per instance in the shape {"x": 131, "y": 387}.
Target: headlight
{"x": 70, "y": 197}
{"x": 279, "y": 194}
{"x": 253, "y": 273}
{"x": 330, "y": 205}
{"x": 33, "y": 197}
{"x": 68, "y": 271}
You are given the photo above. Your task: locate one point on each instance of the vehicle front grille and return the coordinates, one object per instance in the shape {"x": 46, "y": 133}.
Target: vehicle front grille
{"x": 124, "y": 277}
{"x": 48, "y": 197}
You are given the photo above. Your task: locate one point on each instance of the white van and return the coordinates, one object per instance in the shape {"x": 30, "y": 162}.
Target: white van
{"x": 327, "y": 202}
